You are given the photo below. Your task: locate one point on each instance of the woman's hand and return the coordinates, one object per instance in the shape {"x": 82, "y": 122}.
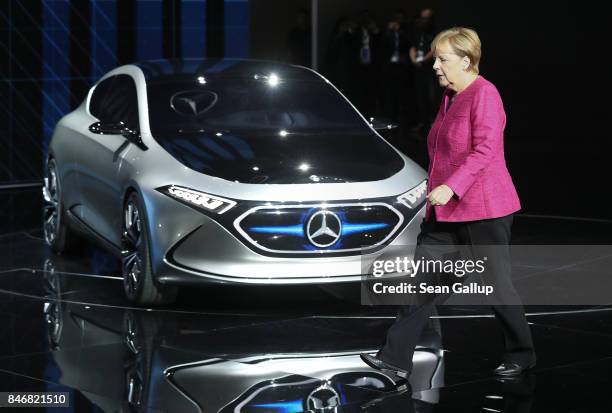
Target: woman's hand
{"x": 440, "y": 195}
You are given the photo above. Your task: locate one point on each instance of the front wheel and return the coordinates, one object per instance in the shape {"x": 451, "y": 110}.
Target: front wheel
{"x": 138, "y": 282}
{"x": 58, "y": 234}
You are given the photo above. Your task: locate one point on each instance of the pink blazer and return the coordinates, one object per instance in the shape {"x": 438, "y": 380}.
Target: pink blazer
{"x": 466, "y": 152}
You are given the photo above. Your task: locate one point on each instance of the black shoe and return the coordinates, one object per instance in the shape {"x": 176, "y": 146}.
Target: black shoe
{"x": 509, "y": 369}
{"x": 399, "y": 375}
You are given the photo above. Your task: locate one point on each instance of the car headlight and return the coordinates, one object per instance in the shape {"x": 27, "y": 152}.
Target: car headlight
{"x": 197, "y": 199}
{"x": 415, "y": 196}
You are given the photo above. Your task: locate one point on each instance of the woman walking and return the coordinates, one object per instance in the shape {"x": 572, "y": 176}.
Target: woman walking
{"x": 471, "y": 200}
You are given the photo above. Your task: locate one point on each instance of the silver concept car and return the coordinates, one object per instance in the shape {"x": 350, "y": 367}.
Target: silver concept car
{"x": 227, "y": 171}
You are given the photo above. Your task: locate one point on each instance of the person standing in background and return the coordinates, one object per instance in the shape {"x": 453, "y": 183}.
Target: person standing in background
{"x": 299, "y": 40}
{"x": 395, "y": 46}
{"x": 426, "y": 88}
{"x": 366, "y": 65}
{"x": 338, "y": 61}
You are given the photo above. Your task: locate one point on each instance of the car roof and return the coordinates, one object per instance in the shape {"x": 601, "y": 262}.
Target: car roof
{"x": 166, "y": 69}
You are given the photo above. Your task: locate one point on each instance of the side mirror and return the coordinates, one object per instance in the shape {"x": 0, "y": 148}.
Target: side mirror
{"x": 134, "y": 137}
{"x": 120, "y": 128}
{"x": 100, "y": 128}
{"x": 380, "y": 124}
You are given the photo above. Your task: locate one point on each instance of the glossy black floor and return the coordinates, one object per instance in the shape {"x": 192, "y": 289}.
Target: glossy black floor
{"x": 66, "y": 327}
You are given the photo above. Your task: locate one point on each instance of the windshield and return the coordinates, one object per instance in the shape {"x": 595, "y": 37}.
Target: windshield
{"x": 249, "y": 105}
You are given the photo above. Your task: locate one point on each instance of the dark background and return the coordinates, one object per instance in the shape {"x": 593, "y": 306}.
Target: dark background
{"x": 546, "y": 58}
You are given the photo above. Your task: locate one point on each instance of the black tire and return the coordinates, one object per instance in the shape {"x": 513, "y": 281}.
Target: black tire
{"x": 139, "y": 285}
{"x": 58, "y": 234}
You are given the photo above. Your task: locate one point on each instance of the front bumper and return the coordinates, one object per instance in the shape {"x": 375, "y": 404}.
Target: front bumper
{"x": 211, "y": 254}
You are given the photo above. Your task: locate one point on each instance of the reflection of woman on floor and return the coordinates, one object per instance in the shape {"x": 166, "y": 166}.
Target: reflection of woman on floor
{"x": 471, "y": 199}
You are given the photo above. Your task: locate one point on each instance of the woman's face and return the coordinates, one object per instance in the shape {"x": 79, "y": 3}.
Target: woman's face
{"x": 449, "y": 67}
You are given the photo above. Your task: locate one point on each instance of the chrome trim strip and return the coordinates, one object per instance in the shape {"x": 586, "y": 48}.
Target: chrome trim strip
{"x": 269, "y": 280}
{"x": 238, "y": 220}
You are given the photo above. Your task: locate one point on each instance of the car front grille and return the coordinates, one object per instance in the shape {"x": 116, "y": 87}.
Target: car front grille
{"x": 319, "y": 228}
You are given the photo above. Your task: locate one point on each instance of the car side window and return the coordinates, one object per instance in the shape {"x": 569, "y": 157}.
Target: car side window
{"x": 99, "y": 95}
{"x": 115, "y": 100}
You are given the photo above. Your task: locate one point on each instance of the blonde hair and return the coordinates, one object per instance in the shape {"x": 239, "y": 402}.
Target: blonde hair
{"x": 464, "y": 42}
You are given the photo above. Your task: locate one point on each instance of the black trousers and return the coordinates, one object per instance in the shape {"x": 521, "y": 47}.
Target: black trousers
{"x": 403, "y": 335}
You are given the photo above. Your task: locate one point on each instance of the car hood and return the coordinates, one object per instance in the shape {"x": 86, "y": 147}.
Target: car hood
{"x": 294, "y": 158}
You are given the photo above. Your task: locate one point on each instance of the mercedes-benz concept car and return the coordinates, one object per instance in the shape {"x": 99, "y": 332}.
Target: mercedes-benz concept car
{"x": 227, "y": 171}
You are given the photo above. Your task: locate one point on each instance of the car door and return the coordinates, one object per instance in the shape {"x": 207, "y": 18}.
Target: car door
{"x": 115, "y": 103}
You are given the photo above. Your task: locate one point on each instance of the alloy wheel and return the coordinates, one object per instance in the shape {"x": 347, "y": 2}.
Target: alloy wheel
{"x": 132, "y": 261}
{"x": 51, "y": 205}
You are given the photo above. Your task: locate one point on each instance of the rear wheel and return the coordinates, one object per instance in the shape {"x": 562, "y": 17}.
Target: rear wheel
{"x": 138, "y": 282}
{"x": 58, "y": 234}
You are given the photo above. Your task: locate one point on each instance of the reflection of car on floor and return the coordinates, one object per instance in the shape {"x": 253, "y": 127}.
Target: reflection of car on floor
{"x": 296, "y": 382}
{"x": 227, "y": 171}
{"x": 175, "y": 361}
